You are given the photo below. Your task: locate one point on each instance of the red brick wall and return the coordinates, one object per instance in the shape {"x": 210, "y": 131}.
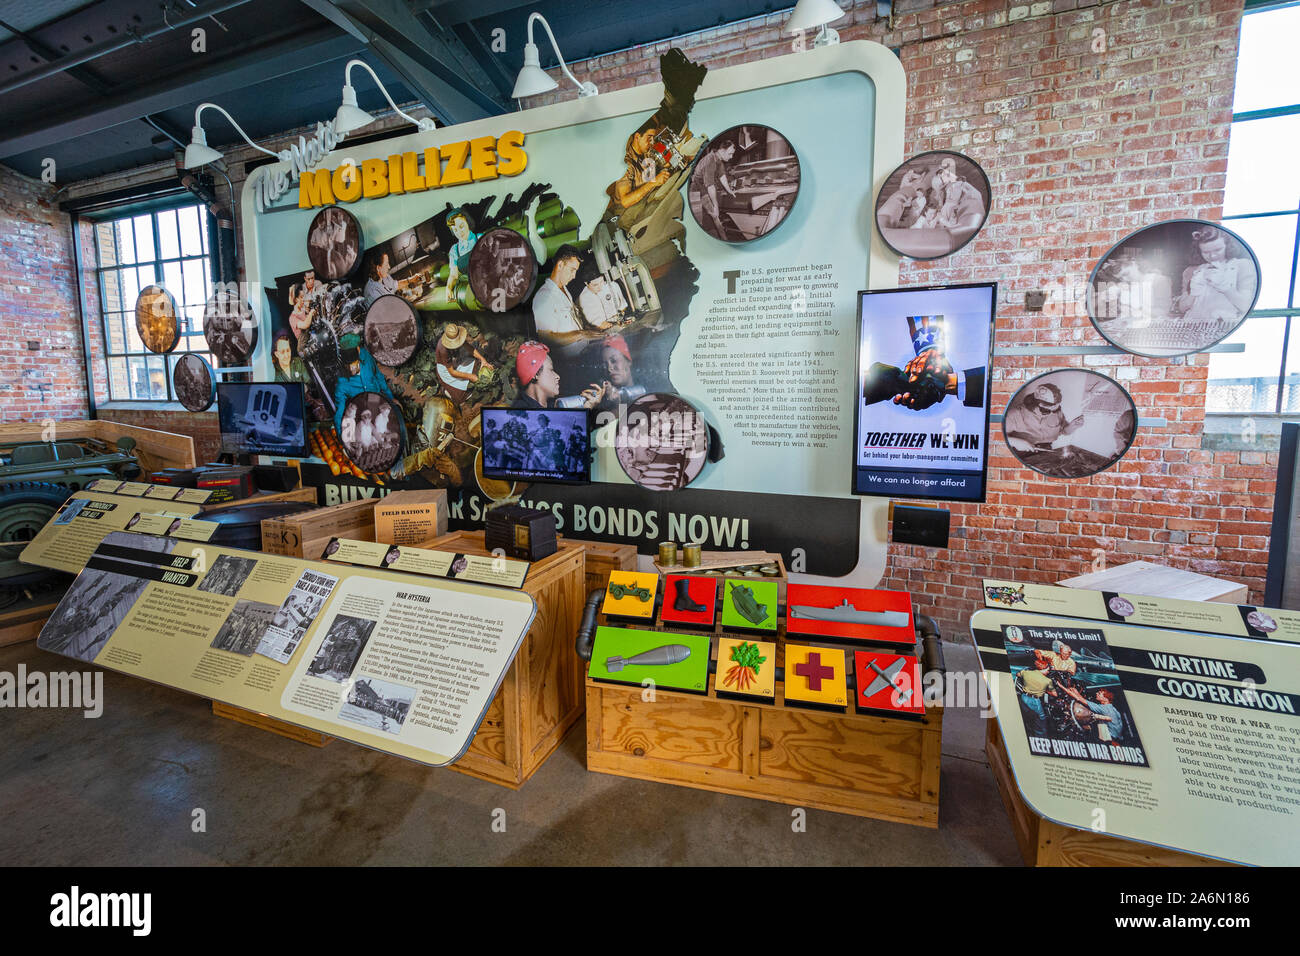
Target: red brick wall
{"x": 38, "y": 304}
{"x": 1082, "y": 146}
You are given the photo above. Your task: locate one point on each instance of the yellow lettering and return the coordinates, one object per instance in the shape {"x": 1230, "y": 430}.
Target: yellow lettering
{"x": 395, "y": 175}
{"x": 314, "y": 189}
{"x": 374, "y": 178}
{"x": 432, "y": 167}
{"x": 347, "y": 183}
{"x": 411, "y": 177}
{"x": 483, "y": 158}
{"x": 455, "y": 173}
{"x": 511, "y": 158}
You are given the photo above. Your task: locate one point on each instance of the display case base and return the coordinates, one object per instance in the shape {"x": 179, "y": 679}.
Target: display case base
{"x": 1045, "y": 843}
{"x": 846, "y": 763}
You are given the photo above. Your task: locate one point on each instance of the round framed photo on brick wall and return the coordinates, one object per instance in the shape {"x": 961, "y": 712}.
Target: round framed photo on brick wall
{"x": 933, "y": 204}
{"x": 1070, "y": 423}
{"x": 1174, "y": 288}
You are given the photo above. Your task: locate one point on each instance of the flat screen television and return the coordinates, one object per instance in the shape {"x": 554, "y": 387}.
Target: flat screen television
{"x": 548, "y": 445}
{"x": 921, "y": 398}
{"x": 1282, "y": 583}
{"x": 261, "y": 418}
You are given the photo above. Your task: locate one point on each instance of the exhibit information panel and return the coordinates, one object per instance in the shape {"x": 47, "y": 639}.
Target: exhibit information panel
{"x": 402, "y": 664}
{"x": 1175, "y": 738}
{"x": 69, "y": 539}
{"x": 683, "y": 259}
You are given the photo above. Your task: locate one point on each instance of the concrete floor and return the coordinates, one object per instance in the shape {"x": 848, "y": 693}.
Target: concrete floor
{"x": 121, "y": 790}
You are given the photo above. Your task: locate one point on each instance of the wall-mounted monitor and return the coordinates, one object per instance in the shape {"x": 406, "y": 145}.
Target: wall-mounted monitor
{"x": 921, "y": 422}
{"x": 537, "y": 444}
{"x": 261, "y": 418}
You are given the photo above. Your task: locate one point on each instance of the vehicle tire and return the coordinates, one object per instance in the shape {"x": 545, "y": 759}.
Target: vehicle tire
{"x": 26, "y": 507}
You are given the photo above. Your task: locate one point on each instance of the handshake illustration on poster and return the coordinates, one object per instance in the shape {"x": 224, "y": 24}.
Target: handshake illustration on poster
{"x": 928, "y": 378}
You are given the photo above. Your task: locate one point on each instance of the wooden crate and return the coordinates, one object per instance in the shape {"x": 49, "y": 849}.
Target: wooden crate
{"x": 603, "y": 558}
{"x": 860, "y": 764}
{"x": 541, "y": 697}
{"x": 304, "y": 535}
{"x": 1045, "y": 843}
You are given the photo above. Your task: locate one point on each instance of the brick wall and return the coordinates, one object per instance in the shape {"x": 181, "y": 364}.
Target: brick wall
{"x": 41, "y": 369}
{"x": 1083, "y": 145}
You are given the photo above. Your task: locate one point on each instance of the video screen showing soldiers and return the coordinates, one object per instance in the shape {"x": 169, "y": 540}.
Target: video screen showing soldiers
{"x": 521, "y": 444}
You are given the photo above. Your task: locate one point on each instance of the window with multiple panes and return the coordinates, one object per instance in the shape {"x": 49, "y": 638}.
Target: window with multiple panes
{"x": 167, "y": 247}
{"x": 1262, "y": 205}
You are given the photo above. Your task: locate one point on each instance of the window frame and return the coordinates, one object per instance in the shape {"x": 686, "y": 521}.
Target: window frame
{"x": 157, "y": 264}
{"x": 1291, "y": 310}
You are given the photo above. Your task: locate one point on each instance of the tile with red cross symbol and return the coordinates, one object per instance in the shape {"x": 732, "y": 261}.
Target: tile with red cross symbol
{"x": 814, "y": 676}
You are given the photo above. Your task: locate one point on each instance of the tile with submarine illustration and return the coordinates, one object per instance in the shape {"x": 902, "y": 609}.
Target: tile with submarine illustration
{"x": 746, "y": 669}
{"x": 749, "y": 604}
{"x": 630, "y": 656}
{"x": 854, "y": 614}
{"x": 815, "y": 677}
{"x": 631, "y": 594}
{"x": 690, "y": 600}
{"x": 888, "y": 684}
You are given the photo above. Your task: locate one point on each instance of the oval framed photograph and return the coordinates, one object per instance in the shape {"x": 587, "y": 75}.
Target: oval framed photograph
{"x": 392, "y": 331}
{"x": 193, "y": 382}
{"x": 744, "y": 183}
{"x": 933, "y": 205}
{"x": 1070, "y": 423}
{"x": 371, "y": 432}
{"x": 334, "y": 243}
{"x": 1174, "y": 288}
{"x": 156, "y": 321}
{"x": 230, "y": 329}
{"x": 502, "y": 269}
{"x": 663, "y": 444}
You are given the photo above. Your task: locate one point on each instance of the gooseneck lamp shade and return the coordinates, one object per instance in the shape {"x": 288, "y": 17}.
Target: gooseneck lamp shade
{"x": 199, "y": 152}
{"x": 809, "y": 14}
{"x": 532, "y": 79}
{"x": 350, "y": 116}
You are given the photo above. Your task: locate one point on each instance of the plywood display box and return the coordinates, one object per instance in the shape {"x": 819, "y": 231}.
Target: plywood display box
{"x": 860, "y": 764}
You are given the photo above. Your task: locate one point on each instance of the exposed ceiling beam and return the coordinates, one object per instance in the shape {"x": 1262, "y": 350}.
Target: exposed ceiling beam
{"x": 479, "y": 48}
{"x": 131, "y": 37}
{"x": 462, "y": 11}
{"x": 435, "y": 66}
{"x": 300, "y": 51}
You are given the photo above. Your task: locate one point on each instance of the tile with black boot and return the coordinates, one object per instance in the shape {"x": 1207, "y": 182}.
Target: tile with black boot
{"x": 690, "y": 601}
